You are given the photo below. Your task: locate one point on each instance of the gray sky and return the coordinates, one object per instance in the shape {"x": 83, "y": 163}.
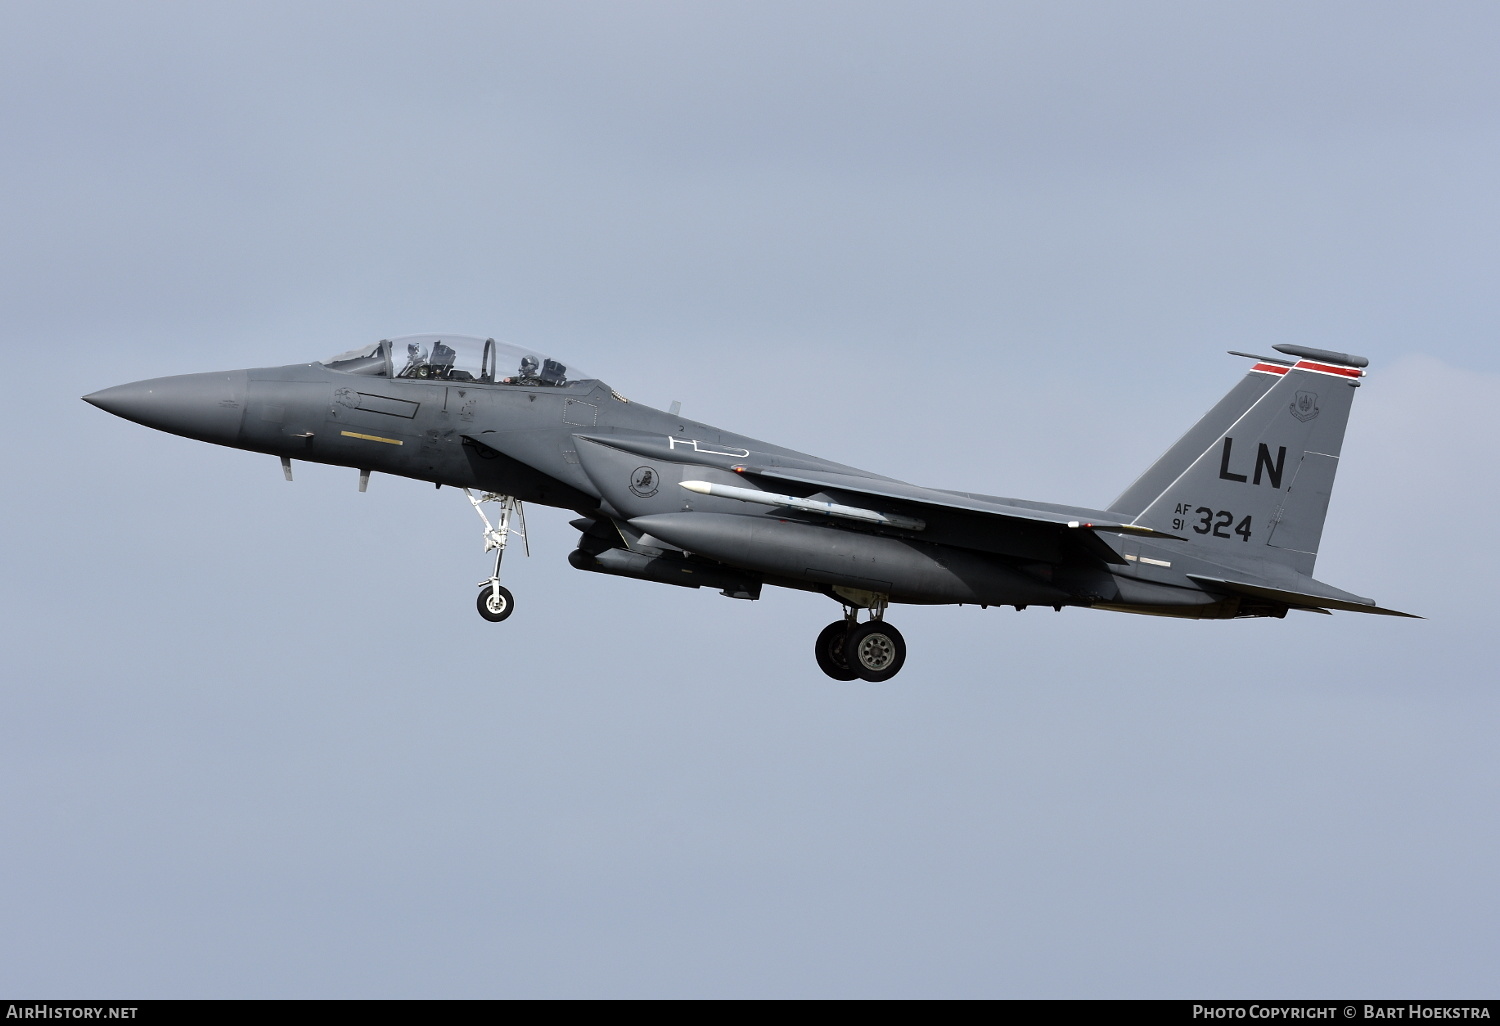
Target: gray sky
{"x": 255, "y": 742}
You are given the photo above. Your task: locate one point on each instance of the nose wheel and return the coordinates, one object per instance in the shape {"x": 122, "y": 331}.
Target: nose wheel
{"x": 495, "y": 602}
{"x": 872, "y": 651}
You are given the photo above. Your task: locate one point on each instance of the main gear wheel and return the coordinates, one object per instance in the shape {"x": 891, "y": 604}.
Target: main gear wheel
{"x": 830, "y": 651}
{"x": 874, "y": 651}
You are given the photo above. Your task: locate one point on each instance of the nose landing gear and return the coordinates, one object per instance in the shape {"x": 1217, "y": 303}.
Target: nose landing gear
{"x": 872, "y": 651}
{"x": 495, "y": 602}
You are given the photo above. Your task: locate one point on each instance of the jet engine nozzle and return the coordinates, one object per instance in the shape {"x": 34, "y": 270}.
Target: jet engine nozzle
{"x": 208, "y": 407}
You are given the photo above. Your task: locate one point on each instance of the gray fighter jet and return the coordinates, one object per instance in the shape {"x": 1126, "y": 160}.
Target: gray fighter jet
{"x": 1225, "y": 524}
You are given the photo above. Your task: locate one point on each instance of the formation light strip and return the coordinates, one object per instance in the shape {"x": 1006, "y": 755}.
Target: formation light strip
{"x": 372, "y": 438}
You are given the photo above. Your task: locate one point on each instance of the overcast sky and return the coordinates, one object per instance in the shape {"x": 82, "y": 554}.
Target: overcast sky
{"x": 255, "y": 742}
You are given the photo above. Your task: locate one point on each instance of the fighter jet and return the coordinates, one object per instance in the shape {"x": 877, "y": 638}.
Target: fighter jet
{"x": 1225, "y": 524}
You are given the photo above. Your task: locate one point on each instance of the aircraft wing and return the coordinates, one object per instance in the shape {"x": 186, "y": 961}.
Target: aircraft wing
{"x": 1342, "y": 601}
{"x": 849, "y": 486}
{"x": 961, "y": 518}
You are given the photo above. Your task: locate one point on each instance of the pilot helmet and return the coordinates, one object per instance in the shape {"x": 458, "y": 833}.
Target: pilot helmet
{"x": 528, "y": 365}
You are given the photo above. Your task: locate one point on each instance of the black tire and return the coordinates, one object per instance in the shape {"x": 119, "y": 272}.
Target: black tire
{"x": 492, "y": 608}
{"x": 830, "y": 651}
{"x": 875, "y": 651}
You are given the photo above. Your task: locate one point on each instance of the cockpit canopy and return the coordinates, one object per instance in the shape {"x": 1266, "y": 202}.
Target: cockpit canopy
{"x": 456, "y": 358}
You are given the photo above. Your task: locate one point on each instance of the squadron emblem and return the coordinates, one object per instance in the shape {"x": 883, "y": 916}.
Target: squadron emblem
{"x": 644, "y": 482}
{"x": 1305, "y": 406}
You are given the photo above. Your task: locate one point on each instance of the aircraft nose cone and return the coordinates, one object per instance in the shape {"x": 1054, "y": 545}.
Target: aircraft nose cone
{"x": 208, "y": 407}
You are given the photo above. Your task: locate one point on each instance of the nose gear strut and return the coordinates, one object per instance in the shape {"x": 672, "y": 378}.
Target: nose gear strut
{"x": 496, "y": 602}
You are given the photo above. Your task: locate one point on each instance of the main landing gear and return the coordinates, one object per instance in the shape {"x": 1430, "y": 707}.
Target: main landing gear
{"x": 496, "y": 602}
{"x": 850, "y": 650}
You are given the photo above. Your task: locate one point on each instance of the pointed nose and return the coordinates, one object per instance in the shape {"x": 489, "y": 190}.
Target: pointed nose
{"x": 208, "y": 407}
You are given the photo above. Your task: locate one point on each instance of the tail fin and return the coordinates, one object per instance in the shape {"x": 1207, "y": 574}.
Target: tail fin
{"x": 1201, "y": 435}
{"x": 1259, "y": 487}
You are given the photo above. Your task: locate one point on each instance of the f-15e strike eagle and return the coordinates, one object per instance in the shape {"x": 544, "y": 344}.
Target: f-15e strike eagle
{"x": 1225, "y": 524}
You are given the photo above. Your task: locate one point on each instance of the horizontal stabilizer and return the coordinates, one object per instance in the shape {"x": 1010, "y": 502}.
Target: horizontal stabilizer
{"x": 1301, "y": 600}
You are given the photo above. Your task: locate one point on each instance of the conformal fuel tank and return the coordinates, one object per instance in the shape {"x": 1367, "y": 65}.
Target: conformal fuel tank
{"x": 907, "y": 571}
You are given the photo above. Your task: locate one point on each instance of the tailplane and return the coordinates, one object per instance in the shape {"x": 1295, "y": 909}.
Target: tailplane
{"x": 1254, "y": 482}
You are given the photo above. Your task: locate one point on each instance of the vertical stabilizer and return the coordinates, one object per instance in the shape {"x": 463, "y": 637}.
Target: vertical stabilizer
{"x": 1259, "y": 488}
{"x": 1265, "y": 373}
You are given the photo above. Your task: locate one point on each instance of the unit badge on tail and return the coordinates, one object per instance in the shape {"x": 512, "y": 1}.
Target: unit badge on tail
{"x": 1305, "y": 406}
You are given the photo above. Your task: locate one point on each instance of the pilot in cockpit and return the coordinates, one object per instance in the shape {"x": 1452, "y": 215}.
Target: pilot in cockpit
{"x": 527, "y": 375}
{"x": 443, "y": 358}
{"x": 416, "y": 361}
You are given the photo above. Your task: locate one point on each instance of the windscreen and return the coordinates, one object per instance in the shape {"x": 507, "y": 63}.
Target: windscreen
{"x": 439, "y": 357}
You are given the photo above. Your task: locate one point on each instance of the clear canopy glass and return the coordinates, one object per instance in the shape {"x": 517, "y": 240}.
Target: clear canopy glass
{"x": 457, "y": 358}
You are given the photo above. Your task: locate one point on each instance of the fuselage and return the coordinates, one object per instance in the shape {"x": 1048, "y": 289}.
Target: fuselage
{"x": 582, "y": 446}
{"x": 1226, "y": 523}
